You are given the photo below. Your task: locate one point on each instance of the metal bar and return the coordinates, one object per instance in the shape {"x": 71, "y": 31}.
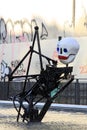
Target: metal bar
{"x": 49, "y": 59}
{"x": 62, "y": 88}
{"x": 23, "y": 76}
{"x": 77, "y": 92}
{"x": 39, "y": 49}
{"x": 19, "y": 64}
{"x": 44, "y": 110}
{"x": 29, "y": 60}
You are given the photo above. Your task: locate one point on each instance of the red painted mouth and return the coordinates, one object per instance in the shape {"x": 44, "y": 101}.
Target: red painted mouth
{"x": 62, "y": 57}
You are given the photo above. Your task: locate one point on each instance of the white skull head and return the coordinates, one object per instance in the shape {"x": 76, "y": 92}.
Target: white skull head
{"x": 67, "y": 49}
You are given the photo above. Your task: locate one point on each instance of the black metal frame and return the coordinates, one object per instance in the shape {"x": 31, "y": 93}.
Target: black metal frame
{"x": 47, "y": 81}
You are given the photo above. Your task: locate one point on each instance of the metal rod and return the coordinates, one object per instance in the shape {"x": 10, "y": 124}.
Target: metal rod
{"x": 31, "y": 52}
{"x": 39, "y": 49}
{"x": 19, "y": 64}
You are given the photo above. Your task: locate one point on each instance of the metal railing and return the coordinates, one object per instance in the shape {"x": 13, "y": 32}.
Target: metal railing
{"x": 75, "y": 93}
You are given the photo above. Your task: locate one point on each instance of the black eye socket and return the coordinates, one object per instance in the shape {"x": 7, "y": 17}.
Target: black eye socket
{"x": 65, "y": 50}
{"x": 58, "y": 49}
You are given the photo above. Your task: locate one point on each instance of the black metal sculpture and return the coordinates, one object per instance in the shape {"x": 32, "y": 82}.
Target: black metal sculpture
{"x": 48, "y": 80}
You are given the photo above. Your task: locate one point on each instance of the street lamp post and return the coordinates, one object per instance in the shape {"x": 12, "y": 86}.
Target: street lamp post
{"x": 73, "y": 13}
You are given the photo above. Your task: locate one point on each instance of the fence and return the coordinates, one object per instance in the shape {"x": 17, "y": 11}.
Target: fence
{"x": 75, "y": 93}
